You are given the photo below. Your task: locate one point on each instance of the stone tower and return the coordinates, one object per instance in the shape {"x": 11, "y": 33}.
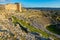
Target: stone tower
{"x": 17, "y": 4}
{"x": 19, "y": 7}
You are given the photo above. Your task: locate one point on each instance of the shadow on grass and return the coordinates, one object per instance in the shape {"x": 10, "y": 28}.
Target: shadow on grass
{"x": 54, "y": 28}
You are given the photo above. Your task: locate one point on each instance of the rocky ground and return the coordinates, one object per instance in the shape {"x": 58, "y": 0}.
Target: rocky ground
{"x": 9, "y": 31}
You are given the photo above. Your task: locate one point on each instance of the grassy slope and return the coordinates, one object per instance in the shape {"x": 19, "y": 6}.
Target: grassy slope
{"x": 31, "y": 28}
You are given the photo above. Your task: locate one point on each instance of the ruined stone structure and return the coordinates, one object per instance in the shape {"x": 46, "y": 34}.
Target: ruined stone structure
{"x": 12, "y": 7}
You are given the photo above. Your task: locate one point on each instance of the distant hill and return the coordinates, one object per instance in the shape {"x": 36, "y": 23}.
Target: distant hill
{"x": 44, "y": 8}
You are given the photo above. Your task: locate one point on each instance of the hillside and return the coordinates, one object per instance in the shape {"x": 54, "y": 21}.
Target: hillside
{"x": 26, "y": 25}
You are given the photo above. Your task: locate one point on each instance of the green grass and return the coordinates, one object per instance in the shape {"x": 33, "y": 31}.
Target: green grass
{"x": 31, "y": 28}
{"x": 54, "y": 29}
{"x": 1, "y": 39}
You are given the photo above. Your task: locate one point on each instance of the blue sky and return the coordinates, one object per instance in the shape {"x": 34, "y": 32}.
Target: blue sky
{"x": 35, "y": 3}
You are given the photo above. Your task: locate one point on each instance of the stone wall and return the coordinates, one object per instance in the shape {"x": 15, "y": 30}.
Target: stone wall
{"x": 11, "y": 7}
